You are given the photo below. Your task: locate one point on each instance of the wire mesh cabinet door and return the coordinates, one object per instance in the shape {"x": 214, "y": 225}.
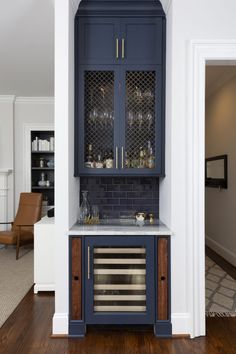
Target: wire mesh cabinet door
{"x": 119, "y": 275}
{"x": 142, "y": 144}
{"x": 97, "y": 121}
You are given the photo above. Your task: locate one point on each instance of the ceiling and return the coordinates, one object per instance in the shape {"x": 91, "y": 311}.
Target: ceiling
{"x": 27, "y": 47}
{"x": 217, "y": 76}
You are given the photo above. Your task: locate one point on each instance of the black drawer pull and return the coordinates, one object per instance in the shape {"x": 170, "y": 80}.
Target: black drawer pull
{"x": 163, "y": 278}
{"x": 76, "y": 277}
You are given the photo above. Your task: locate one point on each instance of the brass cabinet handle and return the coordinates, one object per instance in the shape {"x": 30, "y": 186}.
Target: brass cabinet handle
{"x": 123, "y": 48}
{"x": 116, "y": 157}
{"x": 117, "y": 48}
{"x": 122, "y": 157}
{"x": 88, "y": 262}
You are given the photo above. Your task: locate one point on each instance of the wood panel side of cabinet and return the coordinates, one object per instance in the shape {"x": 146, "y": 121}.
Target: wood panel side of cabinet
{"x": 162, "y": 279}
{"x": 76, "y": 279}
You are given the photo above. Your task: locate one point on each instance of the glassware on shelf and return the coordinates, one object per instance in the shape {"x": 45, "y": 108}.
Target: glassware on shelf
{"x": 148, "y": 94}
{"x": 93, "y": 116}
{"x": 150, "y": 157}
{"x": 99, "y": 163}
{"x": 138, "y": 93}
{"x": 95, "y": 214}
{"x": 89, "y": 162}
{"x": 131, "y": 118}
{"x": 85, "y": 208}
{"x": 42, "y": 181}
{"x": 141, "y": 158}
{"x": 79, "y": 216}
{"x": 108, "y": 161}
{"x": 111, "y": 118}
{"x": 41, "y": 162}
{"x": 140, "y": 119}
{"x": 127, "y": 161}
{"x": 149, "y": 119}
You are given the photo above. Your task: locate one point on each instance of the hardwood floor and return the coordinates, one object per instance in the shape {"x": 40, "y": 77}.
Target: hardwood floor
{"x": 28, "y": 331}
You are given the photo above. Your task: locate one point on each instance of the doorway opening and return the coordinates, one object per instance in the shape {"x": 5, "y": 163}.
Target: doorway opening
{"x": 220, "y": 189}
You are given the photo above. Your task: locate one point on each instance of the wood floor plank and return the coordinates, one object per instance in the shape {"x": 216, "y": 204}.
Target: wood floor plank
{"x": 28, "y": 331}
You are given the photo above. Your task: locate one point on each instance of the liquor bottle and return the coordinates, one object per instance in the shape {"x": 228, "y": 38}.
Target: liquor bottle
{"x": 109, "y": 160}
{"x": 127, "y": 160}
{"x": 151, "y": 159}
{"x": 141, "y": 158}
{"x": 89, "y": 163}
{"x": 99, "y": 163}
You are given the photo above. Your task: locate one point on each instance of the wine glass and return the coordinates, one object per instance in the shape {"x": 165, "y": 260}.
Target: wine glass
{"x": 140, "y": 119}
{"x": 149, "y": 119}
{"x": 93, "y": 115}
{"x": 131, "y": 118}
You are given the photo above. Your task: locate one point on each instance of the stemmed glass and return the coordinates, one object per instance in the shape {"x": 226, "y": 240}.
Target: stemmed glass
{"x": 149, "y": 119}
{"x": 140, "y": 119}
{"x": 131, "y": 118}
{"x": 93, "y": 116}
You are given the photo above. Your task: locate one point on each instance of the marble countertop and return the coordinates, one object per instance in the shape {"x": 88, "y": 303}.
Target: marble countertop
{"x": 120, "y": 228}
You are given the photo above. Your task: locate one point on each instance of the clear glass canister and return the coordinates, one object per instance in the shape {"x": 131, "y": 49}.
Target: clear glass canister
{"x": 84, "y": 208}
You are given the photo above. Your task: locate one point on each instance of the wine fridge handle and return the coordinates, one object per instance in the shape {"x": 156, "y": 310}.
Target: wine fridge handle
{"x": 88, "y": 262}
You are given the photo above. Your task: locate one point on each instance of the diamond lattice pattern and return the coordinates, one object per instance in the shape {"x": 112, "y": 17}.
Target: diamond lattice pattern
{"x": 140, "y": 112}
{"x": 99, "y": 111}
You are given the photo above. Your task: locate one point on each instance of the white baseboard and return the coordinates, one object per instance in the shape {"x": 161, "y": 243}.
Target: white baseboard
{"x": 60, "y": 323}
{"x": 180, "y": 323}
{"x": 221, "y": 250}
{"x": 43, "y": 287}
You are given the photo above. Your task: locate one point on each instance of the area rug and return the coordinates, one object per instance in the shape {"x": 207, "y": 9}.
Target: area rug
{"x": 220, "y": 291}
{"x": 16, "y": 278}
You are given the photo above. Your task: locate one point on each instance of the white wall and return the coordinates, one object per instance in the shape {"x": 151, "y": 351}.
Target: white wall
{"x": 66, "y": 186}
{"x": 32, "y": 113}
{"x": 7, "y": 146}
{"x": 188, "y": 20}
{"x": 220, "y": 140}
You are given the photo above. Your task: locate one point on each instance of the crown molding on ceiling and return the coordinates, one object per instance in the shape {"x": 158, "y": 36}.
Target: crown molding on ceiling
{"x": 7, "y": 98}
{"x": 35, "y": 100}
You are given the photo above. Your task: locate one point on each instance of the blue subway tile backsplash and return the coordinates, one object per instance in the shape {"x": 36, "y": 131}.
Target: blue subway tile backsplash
{"x": 122, "y": 196}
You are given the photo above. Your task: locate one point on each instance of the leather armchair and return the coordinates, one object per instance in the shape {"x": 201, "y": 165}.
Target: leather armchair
{"x": 22, "y": 230}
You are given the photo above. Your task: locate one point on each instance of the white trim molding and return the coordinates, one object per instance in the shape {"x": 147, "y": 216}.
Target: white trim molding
{"x": 43, "y": 287}
{"x": 27, "y": 128}
{"x": 7, "y": 98}
{"x": 221, "y": 250}
{"x": 4, "y": 188}
{"x": 60, "y": 323}
{"x": 35, "y": 100}
{"x": 180, "y": 323}
{"x": 199, "y": 53}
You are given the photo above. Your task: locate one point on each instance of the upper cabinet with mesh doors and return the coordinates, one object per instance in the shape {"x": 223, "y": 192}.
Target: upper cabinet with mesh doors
{"x": 119, "y": 88}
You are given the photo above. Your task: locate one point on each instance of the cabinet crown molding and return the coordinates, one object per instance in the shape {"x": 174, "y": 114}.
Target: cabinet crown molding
{"x": 120, "y": 8}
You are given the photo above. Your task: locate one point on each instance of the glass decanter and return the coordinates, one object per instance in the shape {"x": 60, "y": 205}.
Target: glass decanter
{"x": 84, "y": 208}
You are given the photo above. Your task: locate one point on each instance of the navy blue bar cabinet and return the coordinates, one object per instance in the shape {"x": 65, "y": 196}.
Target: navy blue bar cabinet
{"x": 120, "y": 88}
{"x": 120, "y": 280}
